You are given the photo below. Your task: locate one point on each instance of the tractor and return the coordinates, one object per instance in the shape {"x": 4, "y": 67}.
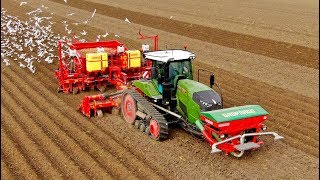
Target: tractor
{"x": 171, "y": 96}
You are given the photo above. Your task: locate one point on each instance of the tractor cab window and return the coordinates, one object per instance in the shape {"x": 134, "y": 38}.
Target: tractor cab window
{"x": 180, "y": 68}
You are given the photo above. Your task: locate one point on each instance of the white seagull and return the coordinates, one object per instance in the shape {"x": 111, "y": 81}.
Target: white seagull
{"x": 105, "y": 35}
{"x": 127, "y": 20}
{"x": 23, "y": 3}
{"x": 94, "y": 12}
{"x": 83, "y": 33}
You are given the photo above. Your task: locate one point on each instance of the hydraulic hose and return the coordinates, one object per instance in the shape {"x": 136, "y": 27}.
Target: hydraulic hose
{"x": 204, "y": 132}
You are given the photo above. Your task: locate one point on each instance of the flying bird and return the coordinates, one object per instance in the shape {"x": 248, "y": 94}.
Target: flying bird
{"x": 127, "y": 20}
{"x": 7, "y": 62}
{"x": 83, "y": 33}
{"x": 23, "y": 3}
{"x": 70, "y": 14}
{"x": 21, "y": 65}
{"x": 65, "y": 1}
{"x": 105, "y": 35}
{"x": 94, "y": 12}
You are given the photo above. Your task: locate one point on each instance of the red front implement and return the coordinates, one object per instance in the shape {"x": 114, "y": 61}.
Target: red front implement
{"x": 234, "y": 136}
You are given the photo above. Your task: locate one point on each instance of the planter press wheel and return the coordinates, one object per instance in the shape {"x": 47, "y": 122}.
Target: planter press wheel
{"x": 128, "y": 108}
{"x": 154, "y": 129}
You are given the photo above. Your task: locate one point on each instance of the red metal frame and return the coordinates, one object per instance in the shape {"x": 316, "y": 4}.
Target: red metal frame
{"x": 155, "y": 39}
{"x": 230, "y": 129}
{"x": 117, "y": 73}
{"x": 91, "y": 104}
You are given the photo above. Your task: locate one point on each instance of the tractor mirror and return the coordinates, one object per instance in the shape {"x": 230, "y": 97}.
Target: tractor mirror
{"x": 211, "y": 80}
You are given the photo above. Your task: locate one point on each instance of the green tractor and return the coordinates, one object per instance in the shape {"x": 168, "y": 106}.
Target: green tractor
{"x": 170, "y": 91}
{"x": 171, "y": 96}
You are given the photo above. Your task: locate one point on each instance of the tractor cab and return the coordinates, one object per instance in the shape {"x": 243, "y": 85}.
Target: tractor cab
{"x": 169, "y": 66}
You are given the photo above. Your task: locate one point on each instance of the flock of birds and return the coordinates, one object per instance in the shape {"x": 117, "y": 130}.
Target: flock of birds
{"x": 34, "y": 40}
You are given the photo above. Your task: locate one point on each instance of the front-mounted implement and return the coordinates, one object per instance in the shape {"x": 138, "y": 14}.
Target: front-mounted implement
{"x": 234, "y": 130}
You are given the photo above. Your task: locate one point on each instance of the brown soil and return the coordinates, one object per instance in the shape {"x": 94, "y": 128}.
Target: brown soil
{"x": 43, "y": 134}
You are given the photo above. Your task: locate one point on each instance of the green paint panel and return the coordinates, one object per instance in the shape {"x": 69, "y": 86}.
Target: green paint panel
{"x": 149, "y": 87}
{"x": 235, "y": 113}
{"x": 185, "y": 90}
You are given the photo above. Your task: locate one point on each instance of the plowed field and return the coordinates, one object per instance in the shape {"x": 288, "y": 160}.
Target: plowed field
{"x": 43, "y": 136}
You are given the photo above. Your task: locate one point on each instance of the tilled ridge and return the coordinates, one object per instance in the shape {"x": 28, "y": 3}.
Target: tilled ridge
{"x": 34, "y": 155}
{"x": 87, "y": 126}
{"x": 105, "y": 137}
{"x": 87, "y": 165}
{"x": 5, "y": 171}
{"x": 59, "y": 158}
{"x": 105, "y": 159}
{"x": 17, "y": 163}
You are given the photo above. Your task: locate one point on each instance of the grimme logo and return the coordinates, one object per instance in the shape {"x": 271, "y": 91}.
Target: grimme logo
{"x": 236, "y": 113}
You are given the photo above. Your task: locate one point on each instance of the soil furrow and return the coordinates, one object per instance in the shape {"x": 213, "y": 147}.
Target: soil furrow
{"x": 105, "y": 158}
{"x": 56, "y": 156}
{"x": 87, "y": 164}
{"x": 17, "y": 163}
{"x": 280, "y": 50}
{"x": 29, "y": 149}
{"x": 109, "y": 143}
{"x": 5, "y": 171}
{"x": 115, "y": 147}
{"x": 110, "y": 148}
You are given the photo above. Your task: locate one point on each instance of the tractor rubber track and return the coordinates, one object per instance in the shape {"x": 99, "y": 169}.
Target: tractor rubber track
{"x": 153, "y": 112}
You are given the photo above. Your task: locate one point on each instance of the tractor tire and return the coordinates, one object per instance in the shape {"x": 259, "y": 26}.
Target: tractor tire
{"x": 128, "y": 108}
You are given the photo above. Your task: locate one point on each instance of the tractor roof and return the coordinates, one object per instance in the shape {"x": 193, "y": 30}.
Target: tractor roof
{"x": 170, "y": 54}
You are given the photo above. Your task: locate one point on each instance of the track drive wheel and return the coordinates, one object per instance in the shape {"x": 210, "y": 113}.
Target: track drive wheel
{"x": 158, "y": 130}
{"x": 128, "y": 108}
